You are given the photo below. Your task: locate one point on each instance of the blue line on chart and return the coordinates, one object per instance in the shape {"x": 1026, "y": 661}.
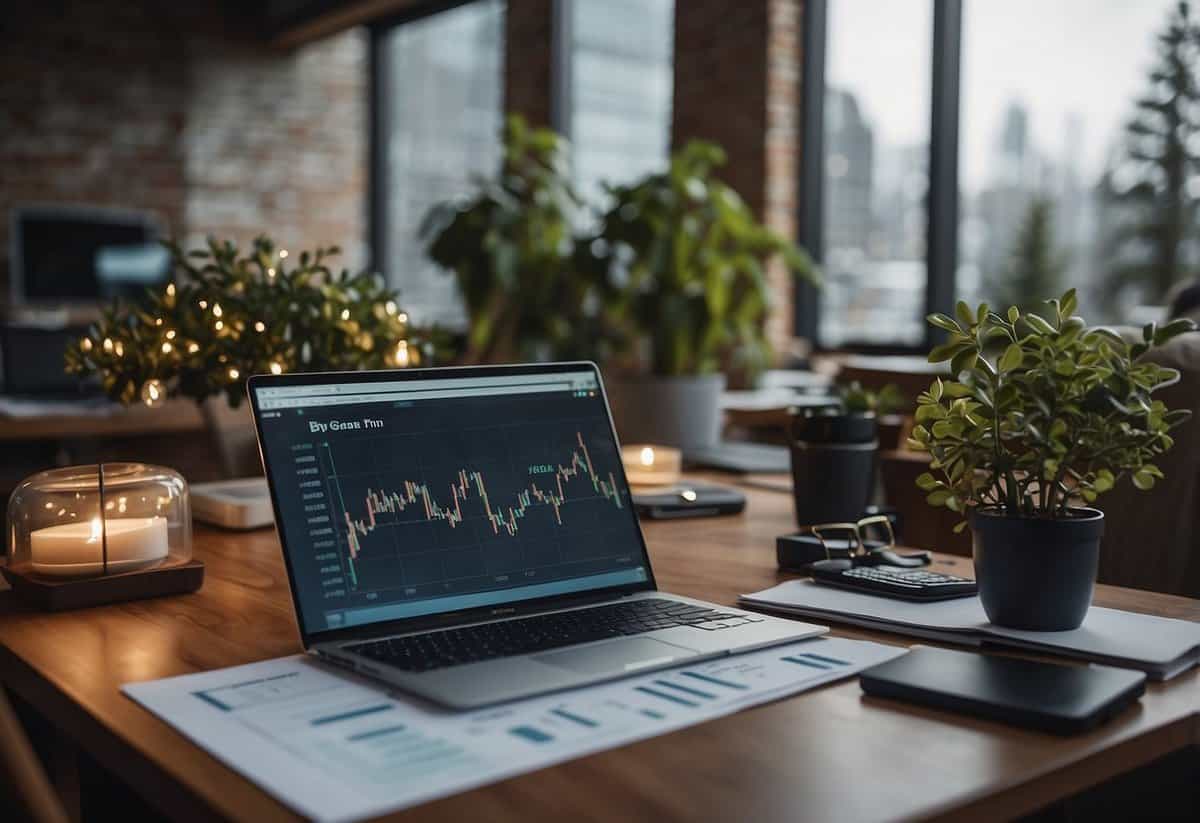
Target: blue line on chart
{"x": 333, "y": 718}
{"x": 665, "y": 696}
{"x": 685, "y": 689}
{"x": 715, "y": 680}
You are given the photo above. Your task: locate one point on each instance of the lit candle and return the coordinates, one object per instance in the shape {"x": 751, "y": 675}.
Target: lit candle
{"x": 651, "y": 465}
{"x": 77, "y": 549}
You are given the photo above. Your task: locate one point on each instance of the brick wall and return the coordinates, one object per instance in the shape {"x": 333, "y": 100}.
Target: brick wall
{"x": 737, "y": 82}
{"x": 183, "y": 110}
{"x": 180, "y": 109}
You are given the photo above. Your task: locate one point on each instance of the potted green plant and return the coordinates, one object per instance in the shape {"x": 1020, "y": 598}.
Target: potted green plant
{"x": 511, "y": 249}
{"x": 682, "y": 262}
{"x": 1044, "y": 415}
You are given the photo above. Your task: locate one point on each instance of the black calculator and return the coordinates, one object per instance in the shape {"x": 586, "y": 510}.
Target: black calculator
{"x": 893, "y": 581}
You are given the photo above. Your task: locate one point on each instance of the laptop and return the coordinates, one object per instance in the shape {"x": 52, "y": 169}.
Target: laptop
{"x": 468, "y": 535}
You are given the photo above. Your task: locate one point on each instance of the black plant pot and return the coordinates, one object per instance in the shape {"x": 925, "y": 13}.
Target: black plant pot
{"x": 1037, "y": 574}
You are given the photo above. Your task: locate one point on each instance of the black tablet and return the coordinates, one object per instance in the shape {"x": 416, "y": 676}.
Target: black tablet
{"x": 1052, "y": 697}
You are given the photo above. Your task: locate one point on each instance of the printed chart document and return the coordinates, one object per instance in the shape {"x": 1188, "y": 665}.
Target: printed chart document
{"x": 333, "y": 746}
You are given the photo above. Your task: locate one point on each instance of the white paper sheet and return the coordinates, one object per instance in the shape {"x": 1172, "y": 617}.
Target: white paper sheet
{"x": 333, "y": 746}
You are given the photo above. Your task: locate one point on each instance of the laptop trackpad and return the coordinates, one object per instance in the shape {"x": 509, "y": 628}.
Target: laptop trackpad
{"x": 627, "y": 654}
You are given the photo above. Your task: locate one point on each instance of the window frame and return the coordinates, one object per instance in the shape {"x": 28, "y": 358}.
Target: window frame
{"x": 379, "y": 111}
{"x": 942, "y": 197}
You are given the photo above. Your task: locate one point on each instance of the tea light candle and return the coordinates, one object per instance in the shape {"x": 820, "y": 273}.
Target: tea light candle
{"x": 652, "y": 465}
{"x": 77, "y": 549}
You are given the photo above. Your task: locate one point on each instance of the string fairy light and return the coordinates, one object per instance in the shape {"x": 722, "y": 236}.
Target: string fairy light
{"x": 185, "y": 338}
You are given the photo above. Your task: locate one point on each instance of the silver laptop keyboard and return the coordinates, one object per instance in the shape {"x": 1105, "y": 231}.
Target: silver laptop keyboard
{"x": 509, "y": 638}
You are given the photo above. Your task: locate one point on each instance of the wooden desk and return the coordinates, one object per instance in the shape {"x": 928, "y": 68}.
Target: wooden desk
{"x": 825, "y": 755}
{"x": 174, "y": 417}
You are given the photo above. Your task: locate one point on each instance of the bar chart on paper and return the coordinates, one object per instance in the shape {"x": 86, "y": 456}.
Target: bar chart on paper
{"x": 338, "y": 748}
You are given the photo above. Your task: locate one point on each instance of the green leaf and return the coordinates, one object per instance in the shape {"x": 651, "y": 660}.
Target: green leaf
{"x": 1143, "y": 480}
{"x": 963, "y": 361}
{"x": 1012, "y": 357}
{"x": 943, "y": 322}
{"x": 927, "y": 482}
{"x": 1104, "y": 480}
{"x": 964, "y": 314}
{"x": 938, "y": 498}
{"x": 1069, "y": 304}
{"x": 1014, "y": 314}
{"x": 960, "y": 526}
{"x": 1173, "y": 329}
{"x": 1038, "y": 324}
{"x": 946, "y": 351}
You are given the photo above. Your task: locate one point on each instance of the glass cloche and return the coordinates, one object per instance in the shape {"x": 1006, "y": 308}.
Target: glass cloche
{"x": 106, "y": 519}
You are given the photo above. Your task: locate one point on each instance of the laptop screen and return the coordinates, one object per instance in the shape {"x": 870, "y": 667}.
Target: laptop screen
{"x": 400, "y": 498}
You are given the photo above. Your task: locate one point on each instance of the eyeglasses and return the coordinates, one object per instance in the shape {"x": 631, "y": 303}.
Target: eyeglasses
{"x": 857, "y": 547}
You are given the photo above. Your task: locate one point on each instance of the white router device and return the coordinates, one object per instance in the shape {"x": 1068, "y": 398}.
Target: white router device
{"x": 244, "y": 503}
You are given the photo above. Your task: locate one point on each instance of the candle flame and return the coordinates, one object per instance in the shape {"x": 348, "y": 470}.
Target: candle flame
{"x": 647, "y": 456}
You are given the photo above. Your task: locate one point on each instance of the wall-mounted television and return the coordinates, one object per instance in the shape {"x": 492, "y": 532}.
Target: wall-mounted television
{"x": 70, "y": 255}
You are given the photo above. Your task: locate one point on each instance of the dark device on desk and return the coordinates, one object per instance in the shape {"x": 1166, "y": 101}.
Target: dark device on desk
{"x": 71, "y": 255}
{"x": 892, "y": 581}
{"x": 32, "y": 357}
{"x": 1051, "y": 697}
{"x": 688, "y": 500}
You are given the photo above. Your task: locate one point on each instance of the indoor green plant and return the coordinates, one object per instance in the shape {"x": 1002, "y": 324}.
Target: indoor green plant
{"x": 511, "y": 247}
{"x": 682, "y": 261}
{"x": 225, "y": 315}
{"x": 1042, "y": 416}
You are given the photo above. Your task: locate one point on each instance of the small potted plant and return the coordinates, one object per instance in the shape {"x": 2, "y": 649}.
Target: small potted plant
{"x": 682, "y": 261}
{"x": 1044, "y": 414}
{"x": 835, "y": 449}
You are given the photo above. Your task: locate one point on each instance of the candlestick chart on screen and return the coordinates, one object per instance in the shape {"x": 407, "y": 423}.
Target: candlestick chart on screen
{"x": 508, "y": 506}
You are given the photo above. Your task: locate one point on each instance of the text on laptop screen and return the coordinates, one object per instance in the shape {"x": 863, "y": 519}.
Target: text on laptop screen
{"x": 403, "y": 498}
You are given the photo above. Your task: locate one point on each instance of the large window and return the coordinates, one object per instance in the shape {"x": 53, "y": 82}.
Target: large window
{"x": 439, "y": 109}
{"x": 875, "y": 171}
{"x": 1034, "y": 147}
{"x": 617, "y": 78}
{"x": 1047, "y": 90}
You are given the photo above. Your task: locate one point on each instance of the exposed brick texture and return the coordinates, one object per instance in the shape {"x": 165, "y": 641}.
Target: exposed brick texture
{"x": 181, "y": 109}
{"x": 737, "y": 82}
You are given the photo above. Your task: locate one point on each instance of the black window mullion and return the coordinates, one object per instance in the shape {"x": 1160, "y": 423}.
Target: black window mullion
{"x": 942, "y": 202}
{"x": 810, "y": 202}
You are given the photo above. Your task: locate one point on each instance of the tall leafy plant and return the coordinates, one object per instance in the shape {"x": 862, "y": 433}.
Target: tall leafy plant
{"x": 1043, "y": 413}
{"x": 682, "y": 262}
{"x": 510, "y": 247}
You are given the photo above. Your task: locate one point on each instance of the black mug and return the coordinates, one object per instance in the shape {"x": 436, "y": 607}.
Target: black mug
{"x": 833, "y": 464}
